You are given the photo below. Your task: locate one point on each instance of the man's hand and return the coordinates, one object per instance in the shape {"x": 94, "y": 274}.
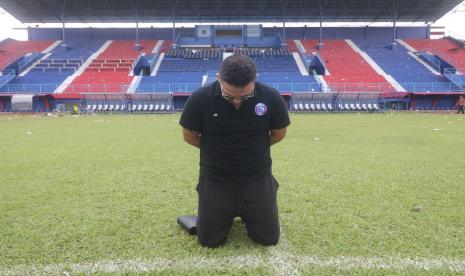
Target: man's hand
{"x": 277, "y": 135}
{"x": 191, "y": 137}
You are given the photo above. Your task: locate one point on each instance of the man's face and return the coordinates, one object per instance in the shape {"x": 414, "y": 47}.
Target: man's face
{"x": 237, "y": 95}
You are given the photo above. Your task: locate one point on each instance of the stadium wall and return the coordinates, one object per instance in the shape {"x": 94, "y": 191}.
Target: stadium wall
{"x": 372, "y": 33}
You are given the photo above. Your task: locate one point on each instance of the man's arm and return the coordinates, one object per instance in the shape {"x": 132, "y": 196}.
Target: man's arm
{"x": 277, "y": 135}
{"x": 191, "y": 137}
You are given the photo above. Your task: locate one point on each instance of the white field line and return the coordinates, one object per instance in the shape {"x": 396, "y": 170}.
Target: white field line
{"x": 280, "y": 259}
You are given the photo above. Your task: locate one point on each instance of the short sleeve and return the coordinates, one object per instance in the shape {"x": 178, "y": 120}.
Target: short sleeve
{"x": 279, "y": 115}
{"x": 191, "y": 117}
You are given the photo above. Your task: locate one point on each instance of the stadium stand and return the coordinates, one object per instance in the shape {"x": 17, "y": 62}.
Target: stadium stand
{"x": 11, "y": 50}
{"x": 110, "y": 71}
{"x": 48, "y": 73}
{"x": 349, "y": 72}
{"x": 404, "y": 67}
{"x": 444, "y": 48}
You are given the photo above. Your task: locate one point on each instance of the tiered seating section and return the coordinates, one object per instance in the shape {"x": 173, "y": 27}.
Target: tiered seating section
{"x": 349, "y": 72}
{"x": 444, "y": 48}
{"x": 183, "y": 70}
{"x": 58, "y": 65}
{"x": 49, "y": 73}
{"x": 277, "y": 68}
{"x": 110, "y": 71}
{"x": 11, "y": 50}
{"x": 403, "y": 67}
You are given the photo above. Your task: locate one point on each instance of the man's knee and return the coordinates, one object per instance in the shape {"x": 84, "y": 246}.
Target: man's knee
{"x": 210, "y": 242}
{"x": 269, "y": 239}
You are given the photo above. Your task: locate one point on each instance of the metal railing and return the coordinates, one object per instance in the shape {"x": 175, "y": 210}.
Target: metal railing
{"x": 7, "y": 76}
{"x": 446, "y": 86}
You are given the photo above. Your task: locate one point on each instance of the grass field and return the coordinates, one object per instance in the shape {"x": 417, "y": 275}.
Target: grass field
{"x": 359, "y": 194}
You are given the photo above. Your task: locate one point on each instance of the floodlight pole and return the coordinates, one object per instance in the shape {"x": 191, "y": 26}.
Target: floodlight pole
{"x": 63, "y": 33}
{"x": 394, "y": 27}
{"x": 137, "y": 46}
{"x": 284, "y": 4}
{"x": 173, "y": 4}
{"x": 320, "y": 43}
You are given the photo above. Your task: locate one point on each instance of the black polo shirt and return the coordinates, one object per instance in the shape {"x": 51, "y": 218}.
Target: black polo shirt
{"x": 234, "y": 142}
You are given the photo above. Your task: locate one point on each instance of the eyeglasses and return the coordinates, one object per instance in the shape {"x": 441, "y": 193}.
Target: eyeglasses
{"x": 230, "y": 98}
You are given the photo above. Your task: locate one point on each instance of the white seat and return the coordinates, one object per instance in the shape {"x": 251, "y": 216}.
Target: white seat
{"x": 330, "y": 106}
{"x": 99, "y": 107}
{"x": 296, "y": 107}
{"x": 157, "y": 107}
{"x": 369, "y": 106}
{"x": 168, "y": 107}
{"x": 111, "y": 107}
{"x": 123, "y": 107}
{"x": 146, "y": 107}
{"x": 352, "y": 106}
{"x": 318, "y": 107}
{"x": 89, "y": 107}
{"x": 341, "y": 107}
{"x": 364, "y": 106}
{"x": 346, "y": 106}
{"x": 117, "y": 107}
{"x": 301, "y": 106}
{"x": 312, "y": 106}
{"x": 162, "y": 107}
{"x": 105, "y": 107}
{"x": 150, "y": 107}
{"x": 323, "y": 106}
{"x": 94, "y": 107}
{"x": 357, "y": 105}
{"x": 307, "y": 107}
{"x": 375, "y": 106}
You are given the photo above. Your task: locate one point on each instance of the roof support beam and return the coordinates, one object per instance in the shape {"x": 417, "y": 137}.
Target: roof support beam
{"x": 322, "y": 5}
{"x": 395, "y": 5}
{"x": 284, "y": 4}
{"x": 173, "y": 4}
{"x": 136, "y": 6}
{"x": 63, "y": 29}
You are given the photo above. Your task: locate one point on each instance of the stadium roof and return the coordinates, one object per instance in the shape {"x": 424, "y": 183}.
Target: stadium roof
{"x": 93, "y": 11}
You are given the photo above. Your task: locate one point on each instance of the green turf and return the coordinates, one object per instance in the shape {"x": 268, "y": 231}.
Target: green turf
{"x": 84, "y": 189}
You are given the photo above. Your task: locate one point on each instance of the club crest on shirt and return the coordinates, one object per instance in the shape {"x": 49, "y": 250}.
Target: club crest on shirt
{"x": 260, "y": 109}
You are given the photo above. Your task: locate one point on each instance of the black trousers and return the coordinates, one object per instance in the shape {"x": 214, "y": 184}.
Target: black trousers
{"x": 461, "y": 109}
{"x": 252, "y": 199}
